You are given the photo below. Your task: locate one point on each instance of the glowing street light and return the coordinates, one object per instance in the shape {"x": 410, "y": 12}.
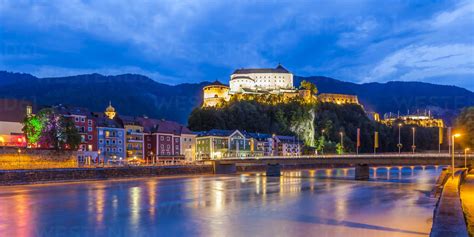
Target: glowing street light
{"x": 465, "y": 156}
{"x": 452, "y": 156}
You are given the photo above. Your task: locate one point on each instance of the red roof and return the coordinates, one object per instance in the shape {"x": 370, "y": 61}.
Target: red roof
{"x": 163, "y": 126}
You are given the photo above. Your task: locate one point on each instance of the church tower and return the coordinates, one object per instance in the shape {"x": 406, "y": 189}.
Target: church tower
{"x": 110, "y": 111}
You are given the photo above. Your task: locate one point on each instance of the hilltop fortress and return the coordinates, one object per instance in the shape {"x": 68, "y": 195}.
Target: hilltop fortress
{"x": 264, "y": 81}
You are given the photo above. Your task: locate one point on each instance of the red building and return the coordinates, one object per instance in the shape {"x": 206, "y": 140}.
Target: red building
{"x": 162, "y": 139}
{"x": 86, "y": 125}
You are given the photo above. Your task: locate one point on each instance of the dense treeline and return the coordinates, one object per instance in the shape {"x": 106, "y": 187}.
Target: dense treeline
{"x": 465, "y": 125}
{"x": 326, "y": 122}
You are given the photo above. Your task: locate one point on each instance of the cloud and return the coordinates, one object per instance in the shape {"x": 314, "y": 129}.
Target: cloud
{"x": 189, "y": 41}
{"x": 419, "y": 62}
{"x": 437, "y": 47}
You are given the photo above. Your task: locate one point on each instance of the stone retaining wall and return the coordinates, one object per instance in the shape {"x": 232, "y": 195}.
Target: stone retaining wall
{"x": 448, "y": 219}
{"x": 11, "y": 177}
{"x": 14, "y": 159}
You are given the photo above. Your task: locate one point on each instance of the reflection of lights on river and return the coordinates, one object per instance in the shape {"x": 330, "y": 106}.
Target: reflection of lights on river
{"x": 151, "y": 188}
{"x": 218, "y": 195}
{"x": 134, "y": 204}
{"x": 100, "y": 203}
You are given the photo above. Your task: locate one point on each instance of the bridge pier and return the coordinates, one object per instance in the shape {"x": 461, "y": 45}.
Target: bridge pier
{"x": 273, "y": 170}
{"x": 362, "y": 172}
{"x": 224, "y": 168}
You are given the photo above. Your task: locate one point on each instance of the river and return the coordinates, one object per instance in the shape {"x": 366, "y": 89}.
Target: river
{"x": 320, "y": 202}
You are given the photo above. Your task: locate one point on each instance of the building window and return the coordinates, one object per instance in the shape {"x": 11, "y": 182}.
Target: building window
{"x": 149, "y": 146}
{"x": 89, "y": 137}
{"x": 162, "y": 138}
{"x": 168, "y": 139}
{"x": 120, "y": 142}
{"x": 83, "y": 119}
{"x": 89, "y": 129}
{"x": 76, "y": 119}
{"x": 107, "y": 133}
{"x": 89, "y": 122}
{"x": 120, "y": 149}
{"x": 101, "y": 141}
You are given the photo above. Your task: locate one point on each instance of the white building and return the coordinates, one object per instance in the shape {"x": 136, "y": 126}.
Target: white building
{"x": 273, "y": 80}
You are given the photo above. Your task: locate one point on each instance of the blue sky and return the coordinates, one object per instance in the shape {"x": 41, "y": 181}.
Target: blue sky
{"x": 190, "y": 41}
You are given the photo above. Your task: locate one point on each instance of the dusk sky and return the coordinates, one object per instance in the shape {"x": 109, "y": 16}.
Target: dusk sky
{"x": 191, "y": 41}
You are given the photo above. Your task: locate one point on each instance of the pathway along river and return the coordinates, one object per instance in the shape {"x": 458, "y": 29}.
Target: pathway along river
{"x": 321, "y": 202}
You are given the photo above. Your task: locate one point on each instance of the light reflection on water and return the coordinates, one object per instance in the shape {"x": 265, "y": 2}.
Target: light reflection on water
{"x": 322, "y": 202}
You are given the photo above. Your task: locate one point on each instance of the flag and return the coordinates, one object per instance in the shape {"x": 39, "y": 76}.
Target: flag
{"x": 440, "y": 135}
{"x": 376, "y": 142}
{"x": 358, "y": 137}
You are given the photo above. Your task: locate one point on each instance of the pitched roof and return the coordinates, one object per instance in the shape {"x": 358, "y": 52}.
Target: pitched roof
{"x": 216, "y": 83}
{"x": 278, "y": 69}
{"x": 163, "y": 126}
{"x": 68, "y": 110}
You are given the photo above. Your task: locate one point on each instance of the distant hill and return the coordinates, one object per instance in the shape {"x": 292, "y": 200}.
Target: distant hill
{"x": 443, "y": 101}
{"x": 133, "y": 94}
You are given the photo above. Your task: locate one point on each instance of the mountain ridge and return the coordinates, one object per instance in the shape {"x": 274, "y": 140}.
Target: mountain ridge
{"x": 136, "y": 94}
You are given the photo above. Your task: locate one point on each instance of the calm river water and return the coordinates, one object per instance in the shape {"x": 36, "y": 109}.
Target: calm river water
{"x": 321, "y": 202}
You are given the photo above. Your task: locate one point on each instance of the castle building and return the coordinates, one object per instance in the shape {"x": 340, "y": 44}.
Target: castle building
{"x": 272, "y": 80}
{"x": 261, "y": 81}
{"x": 418, "y": 119}
{"x": 215, "y": 94}
{"x": 338, "y": 98}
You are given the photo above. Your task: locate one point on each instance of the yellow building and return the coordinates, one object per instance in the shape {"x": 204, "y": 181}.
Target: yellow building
{"x": 338, "y": 98}
{"x": 419, "y": 120}
{"x": 215, "y": 94}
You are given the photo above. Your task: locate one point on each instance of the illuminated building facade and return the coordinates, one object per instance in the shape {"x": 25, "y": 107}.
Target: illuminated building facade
{"x": 419, "y": 119}
{"x": 338, "y": 98}
{"x": 215, "y": 94}
{"x": 12, "y": 114}
{"x": 167, "y": 140}
{"x": 134, "y": 139}
{"x": 110, "y": 136}
{"x": 86, "y": 126}
{"x": 217, "y": 144}
{"x": 272, "y": 80}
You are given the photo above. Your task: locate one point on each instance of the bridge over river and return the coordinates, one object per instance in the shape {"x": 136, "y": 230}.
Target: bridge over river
{"x": 361, "y": 162}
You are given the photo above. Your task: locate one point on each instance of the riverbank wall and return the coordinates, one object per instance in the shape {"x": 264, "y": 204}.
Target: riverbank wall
{"x": 448, "y": 218}
{"x": 30, "y": 176}
{"x": 15, "y": 177}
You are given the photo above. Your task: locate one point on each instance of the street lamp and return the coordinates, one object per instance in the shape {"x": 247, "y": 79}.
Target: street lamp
{"x": 452, "y": 156}
{"x": 413, "y": 147}
{"x": 399, "y": 138}
{"x": 465, "y": 157}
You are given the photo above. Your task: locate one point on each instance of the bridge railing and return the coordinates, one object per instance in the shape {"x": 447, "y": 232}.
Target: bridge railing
{"x": 361, "y": 155}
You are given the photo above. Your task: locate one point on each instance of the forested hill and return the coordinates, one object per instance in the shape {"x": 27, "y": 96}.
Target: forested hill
{"x": 134, "y": 94}
{"x": 444, "y": 101}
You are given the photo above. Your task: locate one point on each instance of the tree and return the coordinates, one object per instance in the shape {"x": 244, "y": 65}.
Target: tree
{"x": 465, "y": 124}
{"x": 307, "y": 85}
{"x": 32, "y": 127}
{"x": 51, "y": 130}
